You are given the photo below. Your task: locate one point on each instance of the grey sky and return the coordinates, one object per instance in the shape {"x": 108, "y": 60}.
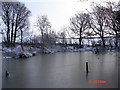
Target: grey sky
{"x": 58, "y": 12}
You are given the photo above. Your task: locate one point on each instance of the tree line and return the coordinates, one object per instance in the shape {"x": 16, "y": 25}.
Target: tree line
{"x": 15, "y": 18}
{"x": 102, "y": 21}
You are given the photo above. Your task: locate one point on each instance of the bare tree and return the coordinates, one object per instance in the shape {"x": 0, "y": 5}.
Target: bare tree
{"x": 79, "y": 24}
{"x": 43, "y": 25}
{"x": 15, "y": 17}
{"x": 62, "y": 35}
{"x": 98, "y": 22}
{"x": 113, "y": 20}
{"x": 49, "y": 39}
{"x": 23, "y": 32}
{"x": 88, "y": 34}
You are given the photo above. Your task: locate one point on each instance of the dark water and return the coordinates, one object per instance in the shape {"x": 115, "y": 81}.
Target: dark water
{"x": 62, "y": 70}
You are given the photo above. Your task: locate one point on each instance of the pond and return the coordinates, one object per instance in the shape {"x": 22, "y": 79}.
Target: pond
{"x": 62, "y": 70}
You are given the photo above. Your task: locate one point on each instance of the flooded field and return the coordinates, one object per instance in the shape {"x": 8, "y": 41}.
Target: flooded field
{"x": 62, "y": 70}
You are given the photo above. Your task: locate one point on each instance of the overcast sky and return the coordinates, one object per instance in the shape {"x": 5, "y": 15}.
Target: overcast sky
{"x": 58, "y": 11}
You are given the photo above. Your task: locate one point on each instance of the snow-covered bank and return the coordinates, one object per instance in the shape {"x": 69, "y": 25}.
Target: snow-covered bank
{"x": 17, "y": 52}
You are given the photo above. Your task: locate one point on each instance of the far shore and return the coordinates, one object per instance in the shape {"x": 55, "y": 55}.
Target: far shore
{"x": 17, "y": 52}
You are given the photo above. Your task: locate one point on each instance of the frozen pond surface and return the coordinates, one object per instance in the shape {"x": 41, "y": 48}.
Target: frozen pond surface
{"x": 62, "y": 70}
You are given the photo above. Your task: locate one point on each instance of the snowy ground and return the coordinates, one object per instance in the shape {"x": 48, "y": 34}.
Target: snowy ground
{"x": 16, "y": 51}
{"x": 29, "y": 51}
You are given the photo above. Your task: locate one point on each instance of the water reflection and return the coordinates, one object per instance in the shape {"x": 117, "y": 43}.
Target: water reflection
{"x": 61, "y": 70}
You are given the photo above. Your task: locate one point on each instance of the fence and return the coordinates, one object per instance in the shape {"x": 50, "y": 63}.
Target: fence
{"x": 88, "y": 41}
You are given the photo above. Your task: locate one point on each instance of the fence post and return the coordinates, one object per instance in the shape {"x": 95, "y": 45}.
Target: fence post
{"x": 87, "y": 67}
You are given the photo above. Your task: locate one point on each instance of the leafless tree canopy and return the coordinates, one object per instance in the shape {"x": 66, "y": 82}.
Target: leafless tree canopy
{"x": 15, "y": 17}
{"x": 48, "y": 36}
{"x": 79, "y": 24}
{"x": 99, "y": 22}
{"x": 43, "y": 25}
{"x": 103, "y": 21}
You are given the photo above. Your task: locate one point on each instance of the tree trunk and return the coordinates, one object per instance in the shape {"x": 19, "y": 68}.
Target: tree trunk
{"x": 42, "y": 44}
{"x": 103, "y": 41}
{"x": 8, "y": 31}
{"x": 22, "y": 40}
{"x": 8, "y": 37}
{"x": 11, "y": 41}
{"x": 14, "y": 37}
{"x": 102, "y": 36}
{"x": 80, "y": 39}
{"x": 116, "y": 39}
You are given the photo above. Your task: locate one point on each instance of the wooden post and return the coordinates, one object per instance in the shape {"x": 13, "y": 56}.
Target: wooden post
{"x": 6, "y": 74}
{"x": 87, "y": 67}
